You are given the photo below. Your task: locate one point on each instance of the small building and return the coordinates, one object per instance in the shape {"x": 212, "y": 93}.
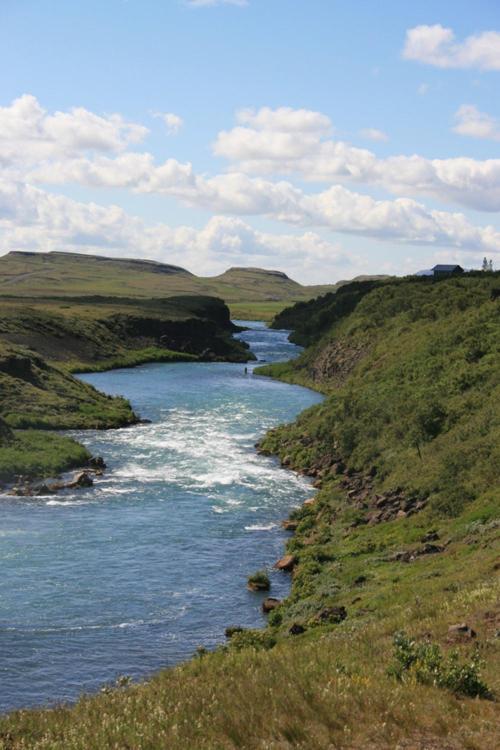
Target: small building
{"x": 445, "y": 270}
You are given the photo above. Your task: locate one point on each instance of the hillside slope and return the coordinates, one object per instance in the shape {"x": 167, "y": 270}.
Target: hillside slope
{"x": 247, "y": 290}
{"x": 44, "y": 340}
{"x": 389, "y": 638}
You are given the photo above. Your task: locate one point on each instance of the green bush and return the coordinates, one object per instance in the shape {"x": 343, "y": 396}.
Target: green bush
{"x": 261, "y": 640}
{"x": 259, "y": 581}
{"x": 426, "y": 663}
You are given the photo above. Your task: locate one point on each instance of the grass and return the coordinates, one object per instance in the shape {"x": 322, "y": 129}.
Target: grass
{"x": 340, "y": 683}
{"x": 31, "y": 453}
{"x": 259, "y": 581}
{"x": 44, "y": 340}
{"x": 67, "y": 274}
{"x": 322, "y": 689}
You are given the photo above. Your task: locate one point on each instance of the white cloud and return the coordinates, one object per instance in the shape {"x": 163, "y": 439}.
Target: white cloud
{"x": 28, "y": 133}
{"x": 270, "y": 142}
{"x": 254, "y": 149}
{"x": 436, "y": 45}
{"x": 31, "y": 219}
{"x": 471, "y": 122}
{"x": 285, "y": 120}
{"x": 373, "y": 134}
{"x": 173, "y": 122}
{"x": 337, "y": 208}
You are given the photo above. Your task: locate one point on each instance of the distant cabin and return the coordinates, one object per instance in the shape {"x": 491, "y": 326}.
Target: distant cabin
{"x": 443, "y": 270}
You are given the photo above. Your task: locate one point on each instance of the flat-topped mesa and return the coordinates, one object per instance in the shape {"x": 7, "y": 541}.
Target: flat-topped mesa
{"x": 254, "y": 270}
{"x": 152, "y": 266}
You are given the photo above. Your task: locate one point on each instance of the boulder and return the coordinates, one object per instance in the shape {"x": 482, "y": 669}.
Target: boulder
{"x": 332, "y": 614}
{"x": 97, "y": 462}
{"x": 431, "y": 536}
{"x": 310, "y": 501}
{"x": 269, "y": 604}
{"x": 287, "y": 563}
{"x": 290, "y": 525}
{"x": 44, "y": 489}
{"x": 82, "y": 479}
{"x": 462, "y": 631}
{"x": 297, "y": 629}
{"x": 229, "y": 632}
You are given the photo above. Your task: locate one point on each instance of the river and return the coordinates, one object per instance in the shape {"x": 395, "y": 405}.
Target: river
{"x": 133, "y": 574}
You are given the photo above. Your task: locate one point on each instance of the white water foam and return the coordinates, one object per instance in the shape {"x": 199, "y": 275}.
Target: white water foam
{"x": 258, "y": 527}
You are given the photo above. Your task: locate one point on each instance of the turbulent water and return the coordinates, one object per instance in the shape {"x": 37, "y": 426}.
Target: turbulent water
{"x": 136, "y": 572}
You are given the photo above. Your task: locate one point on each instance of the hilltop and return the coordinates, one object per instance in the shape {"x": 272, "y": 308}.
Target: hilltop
{"x": 62, "y": 313}
{"x": 389, "y": 638}
{"x": 248, "y": 291}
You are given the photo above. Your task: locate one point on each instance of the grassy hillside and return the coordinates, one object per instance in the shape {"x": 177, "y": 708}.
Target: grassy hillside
{"x": 43, "y": 340}
{"x": 247, "y": 291}
{"x": 389, "y": 638}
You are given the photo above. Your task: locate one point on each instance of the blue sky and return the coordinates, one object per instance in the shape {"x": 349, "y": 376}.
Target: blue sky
{"x": 288, "y": 142}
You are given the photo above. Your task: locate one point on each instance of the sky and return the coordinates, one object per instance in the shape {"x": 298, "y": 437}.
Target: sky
{"x": 324, "y": 138}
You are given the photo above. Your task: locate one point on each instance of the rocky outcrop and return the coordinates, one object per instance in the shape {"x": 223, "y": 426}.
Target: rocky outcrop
{"x": 287, "y": 563}
{"x": 269, "y": 604}
{"x": 333, "y": 615}
{"x": 335, "y": 362}
{"x": 24, "y": 487}
{"x": 410, "y": 555}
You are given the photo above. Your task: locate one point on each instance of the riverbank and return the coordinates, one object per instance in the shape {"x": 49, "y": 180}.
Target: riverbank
{"x": 152, "y": 559}
{"x": 45, "y": 341}
{"x": 401, "y": 537}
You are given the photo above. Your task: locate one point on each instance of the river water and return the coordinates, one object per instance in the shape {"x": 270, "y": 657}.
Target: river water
{"x": 135, "y": 573}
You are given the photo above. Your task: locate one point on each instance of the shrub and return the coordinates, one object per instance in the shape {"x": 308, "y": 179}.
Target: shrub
{"x": 259, "y": 581}
{"x": 426, "y": 663}
{"x": 262, "y": 640}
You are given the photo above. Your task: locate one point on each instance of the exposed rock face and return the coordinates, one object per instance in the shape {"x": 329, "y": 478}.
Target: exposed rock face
{"x": 336, "y": 361}
{"x": 290, "y": 525}
{"x": 332, "y": 614}
{"x": 269, "y": 604}
{"x": 97, "y": 462}
{"x": 461, "y": 633}
{"x": 20, "y": 367}
{"x": 82, "y": 479}
{"x": 410, "y": 555}
{"x": 287, "y": 563}
{"x": 6, "y": 434}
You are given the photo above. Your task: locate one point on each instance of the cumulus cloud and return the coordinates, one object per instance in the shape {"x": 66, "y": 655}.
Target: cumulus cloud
{"x": 173, "y": 122}
{"x": 471, "y": 122}
{"x": 337, "y": 208}
{"x": 436, "y": 45}
{"x": 28, "y": 133}
{"x": 32, "y": 219}
{"x": 273, "y": 141}
{"x": 373, "y": 134}
{"x": 269, "y": 146}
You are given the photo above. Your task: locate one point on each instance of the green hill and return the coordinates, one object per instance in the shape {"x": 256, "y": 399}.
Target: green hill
{"x": 389, "y": 638}
{"x": 250, "y": 292}
{"x": 45, "y": 339}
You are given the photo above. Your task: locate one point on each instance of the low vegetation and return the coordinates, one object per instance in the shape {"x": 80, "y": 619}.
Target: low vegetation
{"x": 259, "y": 581}
{"x": 44, "y": 340}
{"x": 389, "y": 637}
{"x": 31, "y": 453}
